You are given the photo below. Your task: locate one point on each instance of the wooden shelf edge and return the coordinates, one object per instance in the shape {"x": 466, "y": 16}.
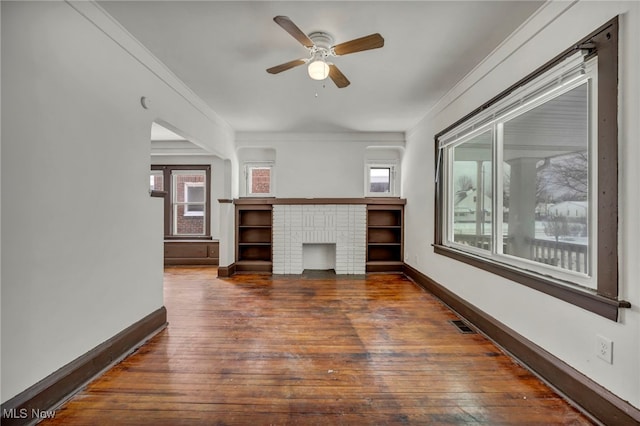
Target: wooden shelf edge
{"x": 253, "y": 266}
{"x": 384, "y": 266}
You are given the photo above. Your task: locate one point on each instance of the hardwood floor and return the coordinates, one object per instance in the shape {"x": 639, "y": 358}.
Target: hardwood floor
{"x": 262, "y": 350}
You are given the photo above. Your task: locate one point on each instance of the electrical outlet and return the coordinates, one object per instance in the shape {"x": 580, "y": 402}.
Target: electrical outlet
{"x": 604, "y": 349}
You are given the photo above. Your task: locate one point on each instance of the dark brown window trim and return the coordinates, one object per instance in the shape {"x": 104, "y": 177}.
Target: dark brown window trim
{"x": 568, "y": 292}
{"x": 604, "y": 43}
{"x": 166, "y": 170}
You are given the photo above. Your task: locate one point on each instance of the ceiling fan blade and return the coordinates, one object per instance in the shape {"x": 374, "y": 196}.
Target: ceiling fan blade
{"x": 288, "y": 25}
{"x": 372, "y": 41}
{"x": 338, "y": 78}
{"x": 286, "y": 66}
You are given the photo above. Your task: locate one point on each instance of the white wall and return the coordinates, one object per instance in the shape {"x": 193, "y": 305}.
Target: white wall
{"x": 564, "y": 330}
{"x": 318, "y": 165}
{"x": 82, "y": 239}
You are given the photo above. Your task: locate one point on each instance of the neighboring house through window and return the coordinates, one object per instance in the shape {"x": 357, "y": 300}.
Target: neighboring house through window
{"x": 259, "y": 179}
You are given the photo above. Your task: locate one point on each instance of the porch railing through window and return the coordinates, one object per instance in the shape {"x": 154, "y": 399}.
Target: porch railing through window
{"x": 570, "y": 256}
{"x": 565, "y": 255}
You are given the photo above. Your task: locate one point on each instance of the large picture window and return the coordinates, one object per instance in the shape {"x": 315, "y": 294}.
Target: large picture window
{"x": 539, "y": 155}
{"x": 187, "y": 199}
{"x": 527, "y": 184}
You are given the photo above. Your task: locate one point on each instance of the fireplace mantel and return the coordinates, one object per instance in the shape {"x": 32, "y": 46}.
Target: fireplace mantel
{"x": 301, "y": 201}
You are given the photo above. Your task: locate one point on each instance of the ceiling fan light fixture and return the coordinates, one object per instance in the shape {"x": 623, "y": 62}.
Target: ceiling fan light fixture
{"x": 320, "y": 46}
{"x": 318, "y": 69}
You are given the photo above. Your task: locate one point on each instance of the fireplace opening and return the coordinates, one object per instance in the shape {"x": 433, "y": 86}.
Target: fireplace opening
{"x": 319, "y": 256}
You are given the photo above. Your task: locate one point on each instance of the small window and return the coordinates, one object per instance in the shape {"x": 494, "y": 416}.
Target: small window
{"x": 156, "y": 180}
{"x": 259, "y": 179}
{"x": 380, "y": 180}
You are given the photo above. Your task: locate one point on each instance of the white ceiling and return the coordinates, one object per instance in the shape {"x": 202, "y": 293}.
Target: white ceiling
{"x": 222, "y": 49}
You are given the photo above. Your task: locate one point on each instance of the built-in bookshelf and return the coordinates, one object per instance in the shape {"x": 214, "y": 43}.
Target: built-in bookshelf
{"x": 384, "y": 238}
{"x": 384, "y": 230}
{"x": 253, "y": 237}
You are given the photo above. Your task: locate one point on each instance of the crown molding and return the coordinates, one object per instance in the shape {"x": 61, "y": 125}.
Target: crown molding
{"x": 99, "y": 17}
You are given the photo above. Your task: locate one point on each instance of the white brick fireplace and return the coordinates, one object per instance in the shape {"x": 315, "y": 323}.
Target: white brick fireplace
{"x": 297, "y": 225}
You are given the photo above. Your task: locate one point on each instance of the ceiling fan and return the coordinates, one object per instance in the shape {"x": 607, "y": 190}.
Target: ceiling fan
{"x": 320, "y": 46}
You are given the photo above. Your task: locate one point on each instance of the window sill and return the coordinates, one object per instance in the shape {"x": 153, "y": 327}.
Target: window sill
{"x": 187, "y": 238}
{"x": 589, "y": 300}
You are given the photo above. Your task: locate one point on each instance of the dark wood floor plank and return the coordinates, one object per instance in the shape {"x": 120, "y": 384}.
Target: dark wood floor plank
{"x": 260, "y": 349}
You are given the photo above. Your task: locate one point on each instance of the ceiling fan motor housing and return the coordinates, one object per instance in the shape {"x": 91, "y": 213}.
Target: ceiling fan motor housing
{"x": 322, "y": 41}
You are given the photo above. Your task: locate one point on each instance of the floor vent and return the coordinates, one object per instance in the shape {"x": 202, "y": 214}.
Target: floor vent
{"x": 462, "y": 327}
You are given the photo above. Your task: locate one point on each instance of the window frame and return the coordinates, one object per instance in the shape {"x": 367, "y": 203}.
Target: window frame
{"x": 151, "y": 175}
{"x": 168, "y": 192}
{"x": 495, "y": 129}
{"x": 188, "y": 204}
{"x": 160, "y": 193}
{"x": 604, "y": 301}
{"x": 382, "y": 164}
